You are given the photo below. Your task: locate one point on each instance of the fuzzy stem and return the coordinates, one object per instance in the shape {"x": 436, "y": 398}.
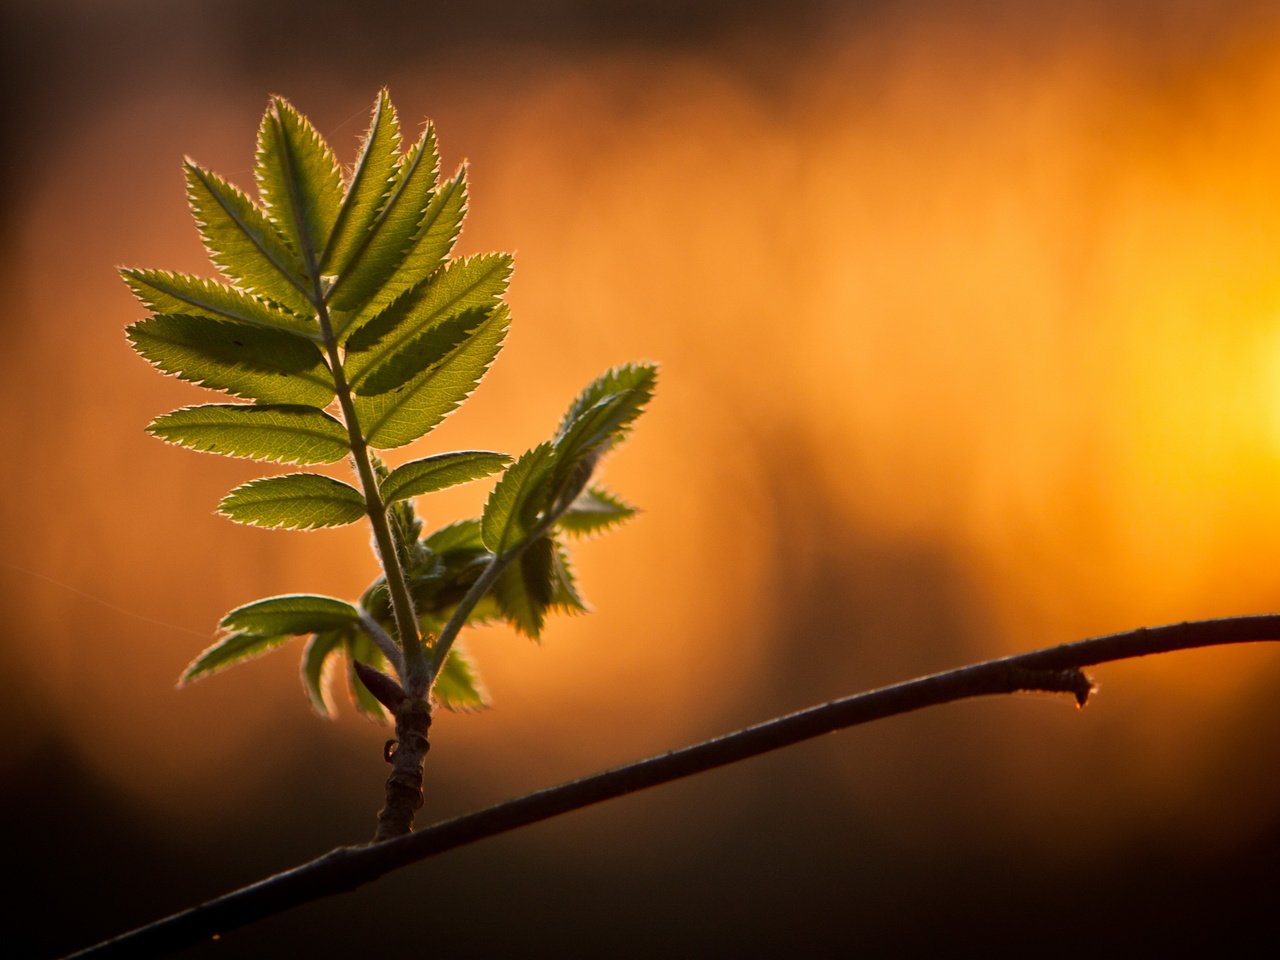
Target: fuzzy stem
{"x": 344, "y": 869}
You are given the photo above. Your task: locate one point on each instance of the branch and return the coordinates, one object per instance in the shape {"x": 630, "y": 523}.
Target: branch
{"x": 1056, "y": 669}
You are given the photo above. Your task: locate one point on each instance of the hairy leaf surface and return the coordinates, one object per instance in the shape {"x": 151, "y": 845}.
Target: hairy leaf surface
{"x": 371, "y": 181}
{"x": 179, "y": 293}
{"x": 411, "y": 410}
{"x": 291, "y": 614}
{"x": 280, "y": 434}
{"x": 229, "y": 651}
{"x": 443, "y": 470}
{"x": 243, "y": 243}
{"x": 295, "y": 501}
{"x": 243, "y": 360}
{"x": 299, "y": 181}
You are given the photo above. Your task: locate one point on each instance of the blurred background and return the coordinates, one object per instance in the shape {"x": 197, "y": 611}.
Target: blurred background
{"x": 969, "y": 324}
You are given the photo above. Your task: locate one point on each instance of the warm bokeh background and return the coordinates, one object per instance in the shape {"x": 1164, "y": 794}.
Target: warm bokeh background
{"x": 969, "y": 318}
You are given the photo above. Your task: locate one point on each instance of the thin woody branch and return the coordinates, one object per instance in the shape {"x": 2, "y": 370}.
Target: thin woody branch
{"x": 1055, "y": 669}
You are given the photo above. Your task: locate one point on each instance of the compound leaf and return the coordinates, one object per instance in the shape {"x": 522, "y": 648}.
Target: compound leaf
{"x": 291, "y": 614}
{"x": 243, "y": 360}
{"x": 295, "y": 501}
{"x": 299, "y": 181}
{"x": 280, "y": 434}
{"x": 371, "y": 181}
{"x": 229, "y": 651}
{"x": 436, "y": 473}
{"x": 412, "y": 409}
{"x": 166, "y": 292}
{"x": 243, "y": 243}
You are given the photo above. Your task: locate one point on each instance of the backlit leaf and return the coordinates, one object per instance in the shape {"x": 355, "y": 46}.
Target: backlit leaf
{"x": 525, "y": 589}
{"x": 180, "y": 293}
{"x": 243, "y": 243}
{"x": 517, "y": 499}
{"x": 388, "y": 239}
{"x": 317, "y": 670}
{"x": 295, "y": 501}
{"x": 280, "y": 434}
{"x": 459, "y": 535}
{"x": 406, "y": 413}
{"x": 291, "y": 614}
{"x": 371, "y": 181}
{"x": 441, "y": 224}
{"x": 473, "y": 283}
{"x": 299, "y": 181}
{"x": 229, "y": 651}
{"x": 594, "y": 510}
{"x": 457, "y": 685}
{"x": 443, "y": 470}
{"x": 423, "y": 352}
{"x": 243, "y": 360}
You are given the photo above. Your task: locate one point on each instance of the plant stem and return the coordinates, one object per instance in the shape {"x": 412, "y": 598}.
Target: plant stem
{"x": 403, "y": 789}
{"x": 415, "y": 662}
{"x": 1056, "y": 669}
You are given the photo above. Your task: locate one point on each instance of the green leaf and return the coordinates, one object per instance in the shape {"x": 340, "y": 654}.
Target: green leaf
{"x": 594, "y": 510}
{"x": 597, "y": 419}
{"x": 243, "y": 360}
{"x": 604, "y": 410}
{"x": 371, "y": 181}
{"x": 526, "y": 589}
{"x": 317, "y": 672}
{"x": 517, "y": 499}
{"x": 628, "y": 377}
{"x": 463, "y": 285}
{"x": 422, "y": 353}
{"x": 281, "y": 434}
{"x": 564, "y": 586}
{"x": 295, "y": 501}
{"x": 166, "y": 292}
{"x": 229, "y": 651}
{"x": 291, "y": 614}
{"x": 457, "y": 686}
{"x": 443, "y": 470}
{"x": 441, "y": 225}
{"x": 388, "y": 239}
{"x": 413, "y": 409}
{"x": 361, "y": 648}
{"x": 459, "y": 535}
{"x": 243, "y": 243}
{"x": 299, "y": 181}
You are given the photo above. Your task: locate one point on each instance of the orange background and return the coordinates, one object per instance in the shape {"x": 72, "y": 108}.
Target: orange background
{"x": 969, "y": 324}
